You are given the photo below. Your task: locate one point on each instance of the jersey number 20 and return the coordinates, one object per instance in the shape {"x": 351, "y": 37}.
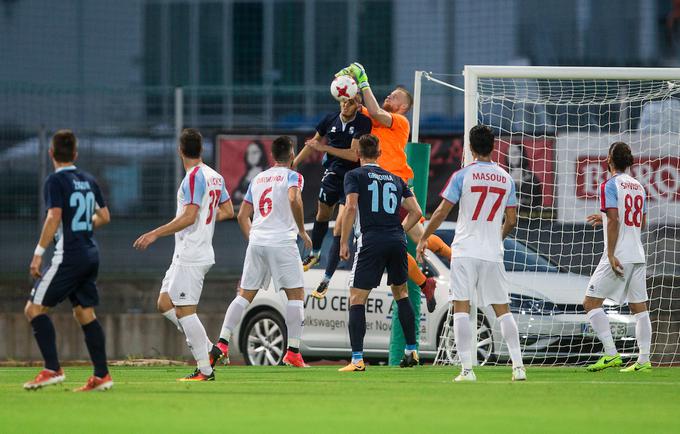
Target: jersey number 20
{"x": 84, "y": 204}
{"x": 389, "y": 197}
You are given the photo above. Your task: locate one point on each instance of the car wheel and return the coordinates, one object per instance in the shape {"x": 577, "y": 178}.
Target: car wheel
{"x": 265, "y": 339}
{"x": 484, "y": 341}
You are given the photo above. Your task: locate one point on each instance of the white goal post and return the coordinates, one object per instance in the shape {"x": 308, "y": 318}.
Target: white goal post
{"x": 553, "y": 128}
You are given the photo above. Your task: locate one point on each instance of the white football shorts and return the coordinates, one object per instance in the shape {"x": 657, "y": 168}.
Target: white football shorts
{"x": 485, "y": 279}
{"x": 632, "y": 287}
{"x": 184, "y": 283}
{"x": 280, "y": 263}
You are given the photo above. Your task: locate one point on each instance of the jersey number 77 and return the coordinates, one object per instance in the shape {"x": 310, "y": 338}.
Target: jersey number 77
{"x": 485, "y": 190}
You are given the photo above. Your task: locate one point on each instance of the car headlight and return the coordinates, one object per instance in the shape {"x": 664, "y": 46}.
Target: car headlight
{"x": 526, "y": 305}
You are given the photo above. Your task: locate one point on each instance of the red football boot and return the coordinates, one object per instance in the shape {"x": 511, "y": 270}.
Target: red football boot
{"x": 294, "y": 359}
{"x": 46, "y": 377}
{"x": 219, "y": 351}
{"x": 428, "y": 289}
{"x": 96, "y": 383}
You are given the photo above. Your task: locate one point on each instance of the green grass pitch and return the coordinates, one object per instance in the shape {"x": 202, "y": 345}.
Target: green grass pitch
{"x": 321, "y": 400}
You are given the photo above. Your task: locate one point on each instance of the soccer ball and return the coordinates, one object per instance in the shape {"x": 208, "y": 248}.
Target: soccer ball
{"x": 343, "y": 88}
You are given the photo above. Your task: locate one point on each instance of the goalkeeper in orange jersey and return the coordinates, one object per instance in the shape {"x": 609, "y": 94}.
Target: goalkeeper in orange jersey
{"x": 392, "y": 128}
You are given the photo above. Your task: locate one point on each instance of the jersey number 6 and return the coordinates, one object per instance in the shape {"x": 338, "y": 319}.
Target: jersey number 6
{"x": 265, "y": 205}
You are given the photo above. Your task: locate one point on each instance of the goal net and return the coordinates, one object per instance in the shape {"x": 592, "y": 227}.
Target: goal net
{"x": 554, "y": 127}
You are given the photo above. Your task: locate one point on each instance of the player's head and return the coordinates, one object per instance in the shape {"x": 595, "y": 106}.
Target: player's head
{"x": 349, "y": 107}
{"x": 64, "y": 147}
{"x": 481, "y": 140}
{"x": 620, "y": 157}
{"x": 282, "y": 150}
{"x": 191, "y": 143}
{"x": 399, "y": 101}
{"x": 369, "y": 147}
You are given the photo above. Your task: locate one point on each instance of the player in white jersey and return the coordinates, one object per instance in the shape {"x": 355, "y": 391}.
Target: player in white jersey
{"x": 485, "y": 194}
{"x": 202, "y": 199}
{"x": 274, "y": 202}
{"x": 620, "y": 275}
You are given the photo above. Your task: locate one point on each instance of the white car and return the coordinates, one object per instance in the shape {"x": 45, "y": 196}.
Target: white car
{"x": 545, "y": 300}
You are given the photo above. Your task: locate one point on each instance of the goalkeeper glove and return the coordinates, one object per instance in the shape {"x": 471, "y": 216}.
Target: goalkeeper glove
{"x": 357, "y": 71}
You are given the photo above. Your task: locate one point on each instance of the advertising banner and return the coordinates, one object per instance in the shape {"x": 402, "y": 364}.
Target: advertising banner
{"x": 582, "y": 167}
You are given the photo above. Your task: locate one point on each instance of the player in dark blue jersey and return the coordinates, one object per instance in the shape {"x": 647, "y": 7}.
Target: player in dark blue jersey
{"x": 375, "y": 194}
{"x": 342, "y": 130}
{"x": 75, "y": 206}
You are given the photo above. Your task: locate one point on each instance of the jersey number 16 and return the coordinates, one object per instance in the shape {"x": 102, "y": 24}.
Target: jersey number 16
{"x": 389, "y": 197}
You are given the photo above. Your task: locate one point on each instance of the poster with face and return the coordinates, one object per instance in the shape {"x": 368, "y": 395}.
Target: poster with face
{"x": 240, "y": 158}
{"x": 529, "y": 160}
{"x": 531, "y": 164}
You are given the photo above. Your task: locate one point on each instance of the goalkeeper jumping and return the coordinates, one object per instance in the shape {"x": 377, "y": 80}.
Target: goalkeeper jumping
{"x": 392, "y": 128}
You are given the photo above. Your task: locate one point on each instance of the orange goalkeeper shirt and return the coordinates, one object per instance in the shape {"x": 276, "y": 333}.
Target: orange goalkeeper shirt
{"x": 393, "y": 145}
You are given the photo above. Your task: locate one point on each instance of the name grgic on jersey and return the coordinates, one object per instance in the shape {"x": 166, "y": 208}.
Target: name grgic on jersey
{"x": 483, "y": 190}
{"x": 627, "y": 195}
{"x": 78, "y": 195}
{"x": 340, "y": 135}
{"x": 380, "y": 195}
{"x": 203, "y": 187}
{"x": 273, "y": 221}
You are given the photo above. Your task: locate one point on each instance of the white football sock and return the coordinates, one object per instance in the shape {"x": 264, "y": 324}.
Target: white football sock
{"x": 511, "y": 337}
{"x": 295, "y": 322}
{"x": 643, "y": 335}
{"x": 233, "y": 316}
{"x": 196, "y": 338}
{"x": 463, "y": 335}
{"x": 600, "y": 322}
{"x": 172, "y": 317}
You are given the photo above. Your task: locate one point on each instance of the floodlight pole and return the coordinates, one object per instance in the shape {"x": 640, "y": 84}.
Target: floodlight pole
{"x": 179, "y": 125}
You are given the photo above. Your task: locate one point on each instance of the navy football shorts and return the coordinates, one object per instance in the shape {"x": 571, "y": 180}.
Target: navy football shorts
{"x": 75, "y": 280}
{"x": 377, "y": 253}
{"x": 332, "y": 189}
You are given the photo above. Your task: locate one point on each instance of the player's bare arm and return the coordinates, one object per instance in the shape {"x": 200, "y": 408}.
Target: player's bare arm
{"x": 414, "y": 213}
{"x": 225, "y": 211}
{"x": 50, "y": 227}
{"x": 510, "y": 221}
{"x": 351, "y": 207}
{"x": 101, "y": 217}
{"x": 184, "y": 220}
{"x": 307, "y": 150}
{"x": 594, "y": 220}
{"x": 612, "y": 237}
{"x": 345, "y": 154}
{"x": 436, "y": 220}
{"x": 374, "y": 110}
{"x": 245, "y": 214}
{"x": 295, "y": 200}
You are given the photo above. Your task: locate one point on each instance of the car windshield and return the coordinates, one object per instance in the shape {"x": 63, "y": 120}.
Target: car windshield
{"x": 518, "y": 257}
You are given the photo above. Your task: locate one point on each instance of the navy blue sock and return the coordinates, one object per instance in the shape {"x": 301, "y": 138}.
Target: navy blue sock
{"x": 333, "y": 258}
{"x": 407, "y": 320}
{"x": 357, "y": 327}
{"x": 46, "y": 337}
{"x": 96, "y": 346}
{"x": 318, "y": 233}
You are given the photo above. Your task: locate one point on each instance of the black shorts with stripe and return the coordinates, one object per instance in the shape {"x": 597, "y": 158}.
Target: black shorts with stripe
{"x": 332, "y": 189}
{"x": 72, "y": 279}
{"x": 377, "y": 253}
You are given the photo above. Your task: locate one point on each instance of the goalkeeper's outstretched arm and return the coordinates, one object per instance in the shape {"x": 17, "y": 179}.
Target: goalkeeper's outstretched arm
{"x": 374, "y": 109}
